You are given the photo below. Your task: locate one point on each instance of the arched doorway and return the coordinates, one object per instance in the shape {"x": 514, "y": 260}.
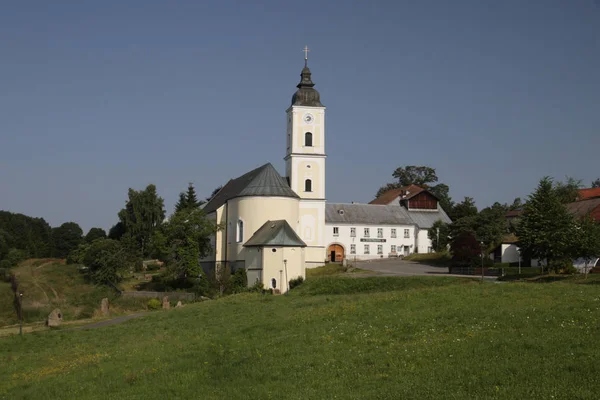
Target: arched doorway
{"x": 335, "y": 253}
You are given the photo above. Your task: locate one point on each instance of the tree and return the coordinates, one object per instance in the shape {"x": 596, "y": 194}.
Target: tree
{"x": 32, "y": 235}
{"x": 466, "y": 250}
{"x": 143, "y": 213}
{"x": 439, "y": 230}
{"x": 117, "y": 231}
{"x": 415, "y": 175}
{"x": 188, "y": 199}
{"x": 181, "y": 203}
{"x": 465, "y": 208}
{"x": 107, "y": 260}
{"x": 491, "y": 225}
{"x": 568, "y": 191}
{"x": 596, "y": 183}
{"x": 95, "y": 233}
{"x": 187, "y": 236}
{"x": 546, "y": 229}
{"x": 65, "y": 239}
{"x": 587, "y": 245}
{"x": 517, "y": 204}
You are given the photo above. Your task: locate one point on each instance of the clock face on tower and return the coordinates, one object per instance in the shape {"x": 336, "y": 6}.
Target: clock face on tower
{"x": 308, "y": 118}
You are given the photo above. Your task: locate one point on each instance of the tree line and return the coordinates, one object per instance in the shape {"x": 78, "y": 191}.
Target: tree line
{"x": 545, "y": 229}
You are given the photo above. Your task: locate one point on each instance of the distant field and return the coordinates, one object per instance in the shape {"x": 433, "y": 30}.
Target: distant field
{"x": 345, "y": 338}
{"x": 48, "y": 284}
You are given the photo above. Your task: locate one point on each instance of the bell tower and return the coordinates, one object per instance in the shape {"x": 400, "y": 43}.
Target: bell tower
{"x": 305, "y": 163}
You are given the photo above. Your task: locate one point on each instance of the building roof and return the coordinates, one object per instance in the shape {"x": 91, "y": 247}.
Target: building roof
{"x": 275, "y": 233}
{"x": 262, "y": 181}
{"x": 366, "y": 214}
{"x": 426, "y": 219}
{"x": 583, "y": 207}
{"x": 513, "y": 213}
{"x": 306, "y": 95}
{"x": 588, "y": 193}
{"x": 392, "y": 194}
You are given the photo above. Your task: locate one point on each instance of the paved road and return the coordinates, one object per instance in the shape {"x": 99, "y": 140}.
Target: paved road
{"x": 113, "y": 321}
{"x": 399, "y": 267}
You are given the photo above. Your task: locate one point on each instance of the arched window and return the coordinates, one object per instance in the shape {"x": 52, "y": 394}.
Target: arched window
{"x": 308, "y": 185}
{"x": 240, "y": 231}
{"x": 308, "y": 139}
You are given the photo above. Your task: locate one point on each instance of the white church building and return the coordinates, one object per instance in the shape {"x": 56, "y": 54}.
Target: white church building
{"x": 276, "y": 226}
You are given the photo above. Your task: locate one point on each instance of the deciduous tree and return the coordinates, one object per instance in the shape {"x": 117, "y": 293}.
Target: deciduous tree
{"x": 596, "y": 183}
{"x": 568, "y": 190}
{"x": 95, "y": 233}
{"x": 143, "y": 213}
{"x": 587, "y": 243}
{"x": 415, "y": 175}
{"x": 439, "y": 230}
{"x": 187, "y": 236}
{"x": 65, "y": 239}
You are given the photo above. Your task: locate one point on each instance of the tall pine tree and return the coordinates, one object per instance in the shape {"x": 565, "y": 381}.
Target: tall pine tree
{"x": 546, "y": 229}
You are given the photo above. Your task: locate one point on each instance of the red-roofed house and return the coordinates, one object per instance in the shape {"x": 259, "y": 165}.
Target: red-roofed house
{"x": 585, "y": 194}
{"x": 412, "y": 197}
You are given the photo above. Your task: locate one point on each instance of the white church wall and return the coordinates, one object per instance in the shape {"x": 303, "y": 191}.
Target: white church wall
{"x": 312, "y": 231}
{"x": 254, "y": 212}
{"x": 274, "y": 266}
{"x": 388, "y": 243}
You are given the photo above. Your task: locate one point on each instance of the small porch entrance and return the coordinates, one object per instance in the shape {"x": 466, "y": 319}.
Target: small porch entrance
{"x": 335, "y": 253}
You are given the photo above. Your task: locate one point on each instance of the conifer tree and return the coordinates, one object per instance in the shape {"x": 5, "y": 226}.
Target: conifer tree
{"x": 546, "y": 229}
{"x": 181, "y": 203}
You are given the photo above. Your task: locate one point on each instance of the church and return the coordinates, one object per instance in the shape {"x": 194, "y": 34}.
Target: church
{"x": 276, "y": 226}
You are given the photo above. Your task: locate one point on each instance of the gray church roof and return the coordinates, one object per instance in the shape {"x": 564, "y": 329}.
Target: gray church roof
{"x": 366, "y": 214}
{"x": 275, "y": 233}
{"x": 426, "y": 219}
{"x": 306, "y": 95}
{"x": 262, "y": 181}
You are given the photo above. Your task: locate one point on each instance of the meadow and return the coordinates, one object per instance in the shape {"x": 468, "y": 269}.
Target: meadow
{"x": 332, "y": 337}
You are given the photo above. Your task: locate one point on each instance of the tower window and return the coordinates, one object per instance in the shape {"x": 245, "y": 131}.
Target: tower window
{"x": 240, "y": 231}
{"x": 308, "y": 139}
{"x": 308, "y": 185}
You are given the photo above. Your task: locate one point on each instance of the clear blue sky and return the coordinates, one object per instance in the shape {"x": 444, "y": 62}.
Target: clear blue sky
{"x": 97, "y": 97}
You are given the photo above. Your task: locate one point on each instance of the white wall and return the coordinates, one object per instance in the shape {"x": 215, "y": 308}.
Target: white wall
{"x": 423, "y": 241}
{"x": 346, "y": 240}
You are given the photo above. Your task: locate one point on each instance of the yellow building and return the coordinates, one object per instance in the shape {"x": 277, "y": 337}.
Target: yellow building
{"x": 274, "y": 226}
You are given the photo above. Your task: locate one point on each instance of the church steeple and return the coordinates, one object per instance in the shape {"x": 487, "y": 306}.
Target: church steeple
{"x": 306, "y": 95}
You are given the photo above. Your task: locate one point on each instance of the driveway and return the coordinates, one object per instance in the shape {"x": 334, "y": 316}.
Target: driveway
{"x": 399, "y": 267}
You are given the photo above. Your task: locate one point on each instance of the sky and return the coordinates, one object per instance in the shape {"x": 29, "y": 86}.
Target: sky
{"x": 98, "y": 97}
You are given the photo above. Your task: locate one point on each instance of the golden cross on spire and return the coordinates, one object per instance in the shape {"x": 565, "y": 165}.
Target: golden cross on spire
{"x": 306, "y": 50}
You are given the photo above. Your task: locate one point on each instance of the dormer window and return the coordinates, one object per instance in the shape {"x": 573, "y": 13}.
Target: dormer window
{"x": 308, "y": 139}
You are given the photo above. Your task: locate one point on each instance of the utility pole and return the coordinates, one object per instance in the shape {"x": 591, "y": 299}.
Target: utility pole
{"x": 438, "y": 239}
{"x": 21, "y": 313}
{"x": 287, "y": 281}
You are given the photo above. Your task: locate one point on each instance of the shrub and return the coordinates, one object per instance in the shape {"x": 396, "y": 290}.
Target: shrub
{"x": 296, "y": 282}
{"x": 258, "y": 287}
{"x": 154, "y": 304}
{"x": 239, "y": 281}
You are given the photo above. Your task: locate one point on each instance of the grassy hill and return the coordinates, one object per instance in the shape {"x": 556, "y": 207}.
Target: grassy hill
{"x": 346, "y": 338}
{"x": 48, "y": 284}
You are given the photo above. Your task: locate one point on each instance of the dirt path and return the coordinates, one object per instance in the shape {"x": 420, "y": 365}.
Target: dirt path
{"x": 114, "y": 321}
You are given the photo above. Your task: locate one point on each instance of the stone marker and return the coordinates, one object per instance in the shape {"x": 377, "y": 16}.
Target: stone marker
{"x": 165, "y": 302}
{"x": 55, "y": 318}
{"x": 179, "y": 304}
{"x": 104, "y": 307}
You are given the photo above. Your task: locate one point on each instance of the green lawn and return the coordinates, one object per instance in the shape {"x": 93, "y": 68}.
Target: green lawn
{"x": 345, "y": 338}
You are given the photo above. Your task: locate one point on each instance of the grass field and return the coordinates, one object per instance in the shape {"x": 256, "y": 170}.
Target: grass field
{"x": 48, "y": 284}
{"x": 344, "y": 338}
